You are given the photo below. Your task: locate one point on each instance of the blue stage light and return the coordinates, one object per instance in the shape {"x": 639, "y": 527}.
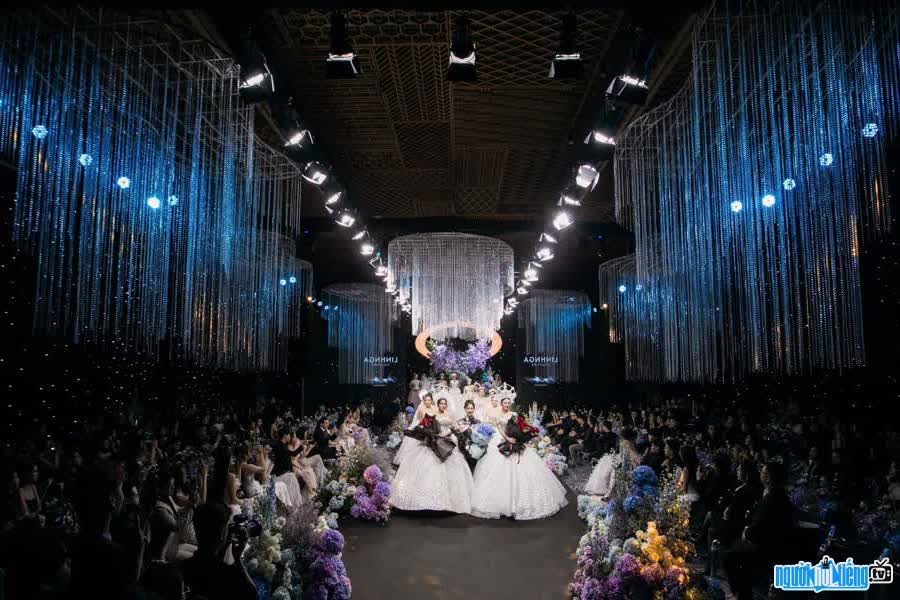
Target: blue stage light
{"x": 789, "y": 184}
{"x": 282, "y": 281}
{"x": 153, "y": 202}
{"x": 826, "y": 159}
{"x": 768, "y": 200}
{"x": 39, "y": 131}
{"x": 292, "y": 279}
{"x": 638, "y": 287}
{"x": 173, "y": 200}
{"x": 319, "y": 303}
{"x": 123, "y": 182}
{"x": 622, "y": 288}
{"x": 737, "y": 206}
{"x": 85, "y": 160}
{"x": 327, "y": 307}
{"x": 870, "y": 130}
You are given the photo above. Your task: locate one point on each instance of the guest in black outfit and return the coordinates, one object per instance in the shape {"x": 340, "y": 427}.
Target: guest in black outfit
{"x": 464, "y": 432}
{"x": 766, "y": 538}
{"x": 653, "y": 456}
{"x": 326, "y": 447}
{"x": 206, "y": 573}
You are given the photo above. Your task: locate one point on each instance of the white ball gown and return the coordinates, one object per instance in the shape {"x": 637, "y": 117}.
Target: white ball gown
{"x": 455, "y": 400}
{"x": 409, "y": 443}
{"x": 520, "y": 486}
{"x": 603, "y": 476}
{"x": 425, "y": 482}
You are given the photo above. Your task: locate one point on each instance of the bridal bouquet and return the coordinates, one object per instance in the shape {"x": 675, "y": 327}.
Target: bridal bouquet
{"x": 520, "y": 432}
{"x": 479, "y": 436}
{"x": 551, "y": 455}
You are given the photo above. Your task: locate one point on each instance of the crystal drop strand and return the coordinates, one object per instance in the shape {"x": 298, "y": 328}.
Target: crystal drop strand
{"x": 552, "y": 323}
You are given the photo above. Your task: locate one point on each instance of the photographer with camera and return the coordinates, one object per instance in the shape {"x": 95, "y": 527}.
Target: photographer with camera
{"x": 207, "y": 574}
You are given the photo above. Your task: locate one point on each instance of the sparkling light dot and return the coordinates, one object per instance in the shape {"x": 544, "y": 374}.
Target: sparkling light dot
{"x": 153, "y": 202}
{"x": 123, "y": 182}
{"x": 292, "y": 279}
{"x": 319, "y": 303}
{"x": 638, "y": 287}
{"x": 85, "y": 160}
{"x": 870, "y": 130}
{"x": 768, "y": 200}
{"x": 39, "y": 131}
{"x": 737, "y": 206}
{"x": 173, "y": 200}
{"x": 282, "y": 281}
{"x": 826, "y": 159}
{"x": 622, "y": 288}
{"x": 789, "y": 184}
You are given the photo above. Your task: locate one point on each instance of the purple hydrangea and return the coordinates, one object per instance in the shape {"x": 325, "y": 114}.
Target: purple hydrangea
{"x": 383, "y": 490}
{"x": 372, "y": 474}
{"x": 628, "y": 567}
{"x": 591, "y": 589}
{"x": 331, "y": 542}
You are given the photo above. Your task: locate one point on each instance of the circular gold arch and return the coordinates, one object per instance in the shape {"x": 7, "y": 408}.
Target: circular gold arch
{"x": 422, "y": 338}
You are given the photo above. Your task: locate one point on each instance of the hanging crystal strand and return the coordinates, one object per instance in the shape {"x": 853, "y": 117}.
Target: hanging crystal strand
{"x": 360, "y": 325}
{"x": 750, "y": 191}
{"x": 453, "y": 280}
{"x": 553, "y": 323}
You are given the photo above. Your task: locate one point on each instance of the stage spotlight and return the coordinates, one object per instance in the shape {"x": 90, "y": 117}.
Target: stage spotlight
{"x": 605, "y": 306}
{"x": 512, "y": 302}
{"x": 870, "y": 130}
{"x": 789, "y": 184}
{"x": 546, "y": 237}
{"x": 85, "y": 160}
{"x": 631, "y": 86}
{"x": 566, "y": 64}
{"x": 327, "y": 307}
{"x": 826, "y": 159}
{"x": 39, "y": 132}
{"x": 124, "y": 183}
{"x": 309, "y": 298}
{"x": 282, "y": 282}
{"x": 341, "y": 62}
{"x": 462, "y": 53}
{"x": 768, "y": 200}
{"x": 595, "y": 309}
{"x": 173, "y": 200}
{"x": 367, "y": 249}
{"x": 381, "y": 271}
{"x": 256, "y": 81}
{"x": 153, "y": 202}
{"x": 737, "y": 206}
{"x": 319, "y": 303}
{"x": 332, "y": 194}
{"x": 562, "y": 220}
{"x": 292, "y": 279}
{"x": 362, "y": 233}
{"x": 622, "y": 289}
{"x": 530, "y": 275}
{"x": 315, "y": 173}
{"x": 587, "y": 176}
{"x": 345, "y": 219}
{"x": 376, "y": 261}
{"x": 522, "y": 290}
{"x": 569, "y": 198}
{"x": 599, "y": 145}
{"x": 544, "y": 253}
{"x": 390, "y": 288}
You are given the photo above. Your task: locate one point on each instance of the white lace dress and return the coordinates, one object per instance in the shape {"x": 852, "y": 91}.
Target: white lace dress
{"x": 425, "y": 482}
{"x": 409, "y": 443}
{"x": 603, "y": 477}
{"x": 455, "y": 400}
{"x": 520, "y": 486}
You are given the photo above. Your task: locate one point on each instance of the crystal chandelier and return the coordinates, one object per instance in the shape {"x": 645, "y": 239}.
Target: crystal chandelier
{"x": 455, "y": 282}
{"x": 360, "y": 325}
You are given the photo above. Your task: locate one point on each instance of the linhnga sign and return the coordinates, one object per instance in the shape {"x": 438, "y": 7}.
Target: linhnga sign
{"x": 541, "y": 359}
{"x": 377, "y": 361}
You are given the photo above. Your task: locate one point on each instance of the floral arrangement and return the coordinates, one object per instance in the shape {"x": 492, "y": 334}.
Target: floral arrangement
{"x": 551, "y": 455}
{"x": 335, "y": 497}
{"x": 394, "y": 440}
{"x": 591, "y": 508}
{"x": 371, "y": 500}
{"x": 270, "y": 566}
{"x": 473, "y": 359}
{"x": 327, "y": 578}
{"x": 479, "y": 436}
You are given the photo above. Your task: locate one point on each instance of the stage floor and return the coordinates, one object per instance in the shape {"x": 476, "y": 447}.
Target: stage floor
{"x": 437, "y": 556}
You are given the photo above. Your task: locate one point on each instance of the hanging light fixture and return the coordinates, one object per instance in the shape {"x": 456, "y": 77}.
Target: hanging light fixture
{"x": 345, "y": 218}
{"x": 630, "y": 88}
{"x": 562, "y": 220}
{"x": 256, "y": 81}
{"x": 567, "y": 63}
{"x": 341, "y": 62}
{"x": 587, "y": 176}
{"x": 462, "y": 53}
{"x": 544, "y": 253}
{"x": 315, "y": 173}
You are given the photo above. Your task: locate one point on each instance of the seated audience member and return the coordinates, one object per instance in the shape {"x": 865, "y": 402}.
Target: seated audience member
{"x": 206, "y": 573}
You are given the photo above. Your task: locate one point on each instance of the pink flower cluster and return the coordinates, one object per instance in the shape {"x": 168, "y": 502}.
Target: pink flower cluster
{"x": 371, "y": 500}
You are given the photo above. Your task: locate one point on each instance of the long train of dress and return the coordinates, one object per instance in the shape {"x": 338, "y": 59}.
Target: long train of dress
{"x": 520, "y": 486}
{"x": 425, "y": 482}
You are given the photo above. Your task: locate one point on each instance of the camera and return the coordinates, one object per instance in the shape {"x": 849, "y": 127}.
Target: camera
{"x": 243, "y": 523}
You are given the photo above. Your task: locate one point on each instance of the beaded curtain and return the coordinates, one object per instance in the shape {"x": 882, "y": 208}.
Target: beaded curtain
{"x": 150, "y": 208}
{"x": 553, "y": 322}
{"x": 751, "y": 191}
{"x": 451, "y": 277}
{"x": 360, "y": 322}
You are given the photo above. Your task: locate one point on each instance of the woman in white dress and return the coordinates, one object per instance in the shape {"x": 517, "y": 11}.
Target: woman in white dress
{"x": 455, "y": 400}
{"x": 415, "y": 386}
{"x": 511, "y": 480}
{"x": 487, "y": 407}
{"x": 427, "y": 407}
{"x": 603, "y": 477}
{"x": 434, "y": 475}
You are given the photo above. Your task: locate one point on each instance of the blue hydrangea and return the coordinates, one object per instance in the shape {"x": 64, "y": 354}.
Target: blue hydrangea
{"x": 631, "y": 503}
{"x": 644, "y": 475}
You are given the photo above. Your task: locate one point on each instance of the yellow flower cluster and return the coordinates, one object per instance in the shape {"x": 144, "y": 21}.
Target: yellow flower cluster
{"x": 655, "y": 549}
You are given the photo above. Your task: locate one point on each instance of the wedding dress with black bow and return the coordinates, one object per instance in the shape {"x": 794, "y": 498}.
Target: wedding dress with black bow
{"x": 511, "y": 480}
{"x": 434, "y": 474}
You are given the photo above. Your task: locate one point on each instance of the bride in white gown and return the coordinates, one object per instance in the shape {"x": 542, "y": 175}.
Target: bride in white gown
{"x": 455, "y": 400}
{"x": 425, "y": 408}
{"x": 517, "y": 485}
{"x": 603, "y": 477}
{"x": 434, "y": 475}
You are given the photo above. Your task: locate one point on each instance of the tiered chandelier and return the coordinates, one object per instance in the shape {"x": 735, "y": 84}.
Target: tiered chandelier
{"x": 360, "y": 325}
{"x": 152, "y": 211}
{"x": 454, "y": 283}
{"x": 553, "y": 322}
{"x": 750, "y": 192}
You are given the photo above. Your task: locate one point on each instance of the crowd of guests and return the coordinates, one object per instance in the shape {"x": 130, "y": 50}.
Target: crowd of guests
{"x": 121, "y": 508}
{"x": 741, "y": 470}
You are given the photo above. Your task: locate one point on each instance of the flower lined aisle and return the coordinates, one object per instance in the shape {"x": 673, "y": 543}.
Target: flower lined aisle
{"x": 637, "y": 543}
